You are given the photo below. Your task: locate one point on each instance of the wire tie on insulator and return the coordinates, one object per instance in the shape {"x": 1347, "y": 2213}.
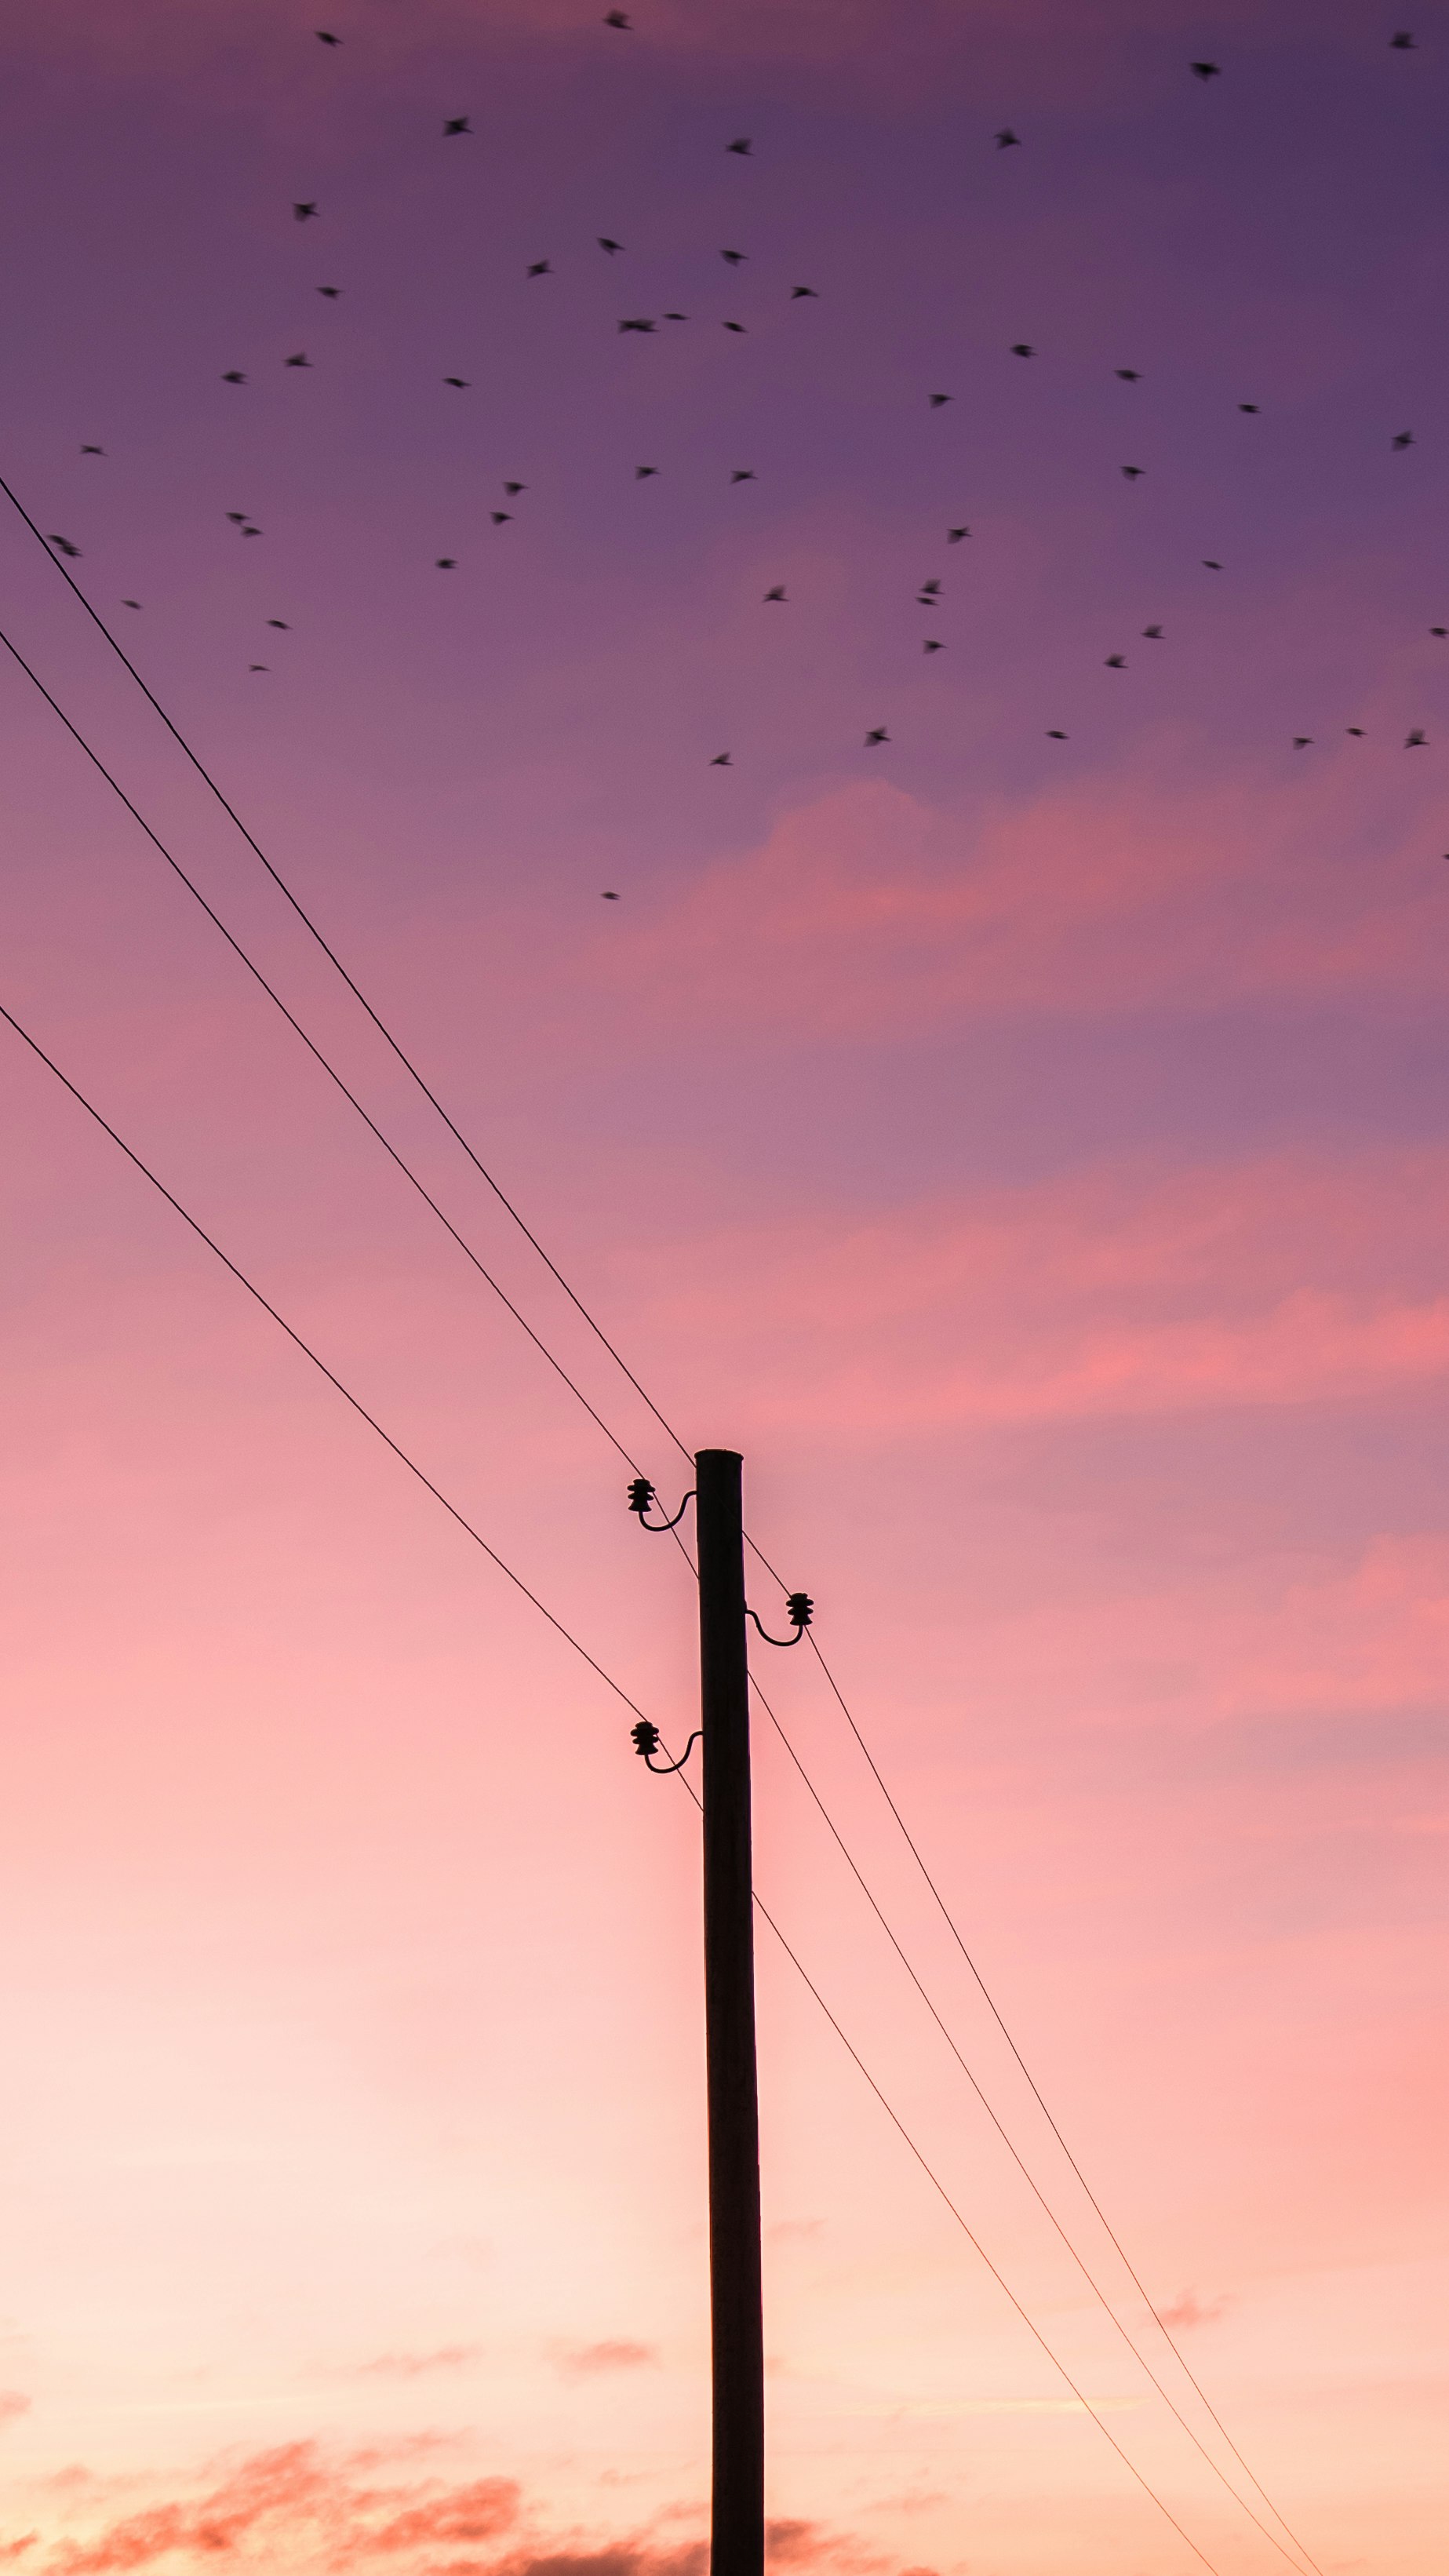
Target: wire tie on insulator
{"x": 646, "y": 1745}
{"x": 799, "y": 1609}
{"x": 641, "y": 1496}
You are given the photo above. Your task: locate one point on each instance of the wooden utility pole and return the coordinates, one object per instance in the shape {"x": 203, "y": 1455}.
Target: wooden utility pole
{"x": 738, "y": 2508}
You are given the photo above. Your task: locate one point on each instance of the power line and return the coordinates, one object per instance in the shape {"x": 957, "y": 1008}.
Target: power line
{"x": 313, "y": 1049}
{"x": 310, "y": 926}
{"x": 308, "y": 1353}
{"x": 594, "y": 1327}
{"x": 1004, "y": 2134}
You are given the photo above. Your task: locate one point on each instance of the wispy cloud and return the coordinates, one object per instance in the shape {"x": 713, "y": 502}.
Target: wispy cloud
{"x": 1188, "y": 2309}
{"x": 592, "y": 2360}
{"x": 416, "y": 2365}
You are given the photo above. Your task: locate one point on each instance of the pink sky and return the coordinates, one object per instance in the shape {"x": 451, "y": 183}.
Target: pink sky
{"x": 1033, "y": 1155}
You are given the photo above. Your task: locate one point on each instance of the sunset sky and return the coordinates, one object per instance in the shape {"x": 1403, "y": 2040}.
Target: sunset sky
{"x": 1031, "y": 1152}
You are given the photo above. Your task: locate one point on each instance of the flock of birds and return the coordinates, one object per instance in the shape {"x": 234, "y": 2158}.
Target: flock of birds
{"x": 618, "y": 21}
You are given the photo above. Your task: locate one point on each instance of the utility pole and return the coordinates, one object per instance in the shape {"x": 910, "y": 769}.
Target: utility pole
{"x": 737, "y": 2544}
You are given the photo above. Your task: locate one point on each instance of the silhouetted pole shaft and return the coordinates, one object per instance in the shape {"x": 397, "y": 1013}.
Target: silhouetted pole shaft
{"x": 738, "y": 2532}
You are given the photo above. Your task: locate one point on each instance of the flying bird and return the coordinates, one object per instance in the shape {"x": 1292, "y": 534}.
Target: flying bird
{"x": 500, "y": 518}
{"x": 955, "y": 535}
{"x": 305, "y": 210}
{"x": 1130, "y": 375}
{"x": 300, "y": 360}
{"x": 930, "y": 645}
{"x": 617, "y": 18}
{"x": 744, "y": 474}
{"x": 1154, "y": 632}
{"x": 1022, "y": 349}
{"x": 605, "y": 244}
{"x": 777, "y": 593}
{"x": 676, "y": 317}
{"x": 643, "y": 472}
{"x": 93, "y": 451}
{"x": 1207, "y": 71}
{"x": 734, "y": 257}
{"x": 879, "y": 734}
{"x": 1356, "y": 730}
{"x": 447, "y": 563}
{"x": 1134, "y": 473}
{"x": 797, "y": 291}
{"x": 734, "y": 326}
{"x": 323, "y": 37}
{"x": 929, "y": 589}
{"x": 1210, "y": 565}
{"x": 1404, "y": 438}
{"x": 1439, "y": 630}
{"x": 608, "y": 895}
{"x": 1006, "y": 138}
{"x": 639, "y": 323}
{"x": 281, "y": 622}
{"x": 741, "y": 144}
{"x": 457, "y": 125}
{"x": 130, "y": 603}
{"x": 1301, "y": 741}
{"x": 1116, "y": 662}
{"x": 1054, "y": 735}
{"x": 233, "y": 376}
{"x": 332, "y": 292}
{"x": 258, "y": 666}
{"x": 461, "y": 382}
{"x": 513, "y": 489}
{"x": 1403, "y": 43}
{"x": 1416, "y": 741}
{"x": 541, "y": 268}
{"x": 937, "y": 400}
{"x": 721, "y": 760}
{"x": 251, "y": 532}
{"x": 238, "y": 518}
{"x": 63, "y": 545}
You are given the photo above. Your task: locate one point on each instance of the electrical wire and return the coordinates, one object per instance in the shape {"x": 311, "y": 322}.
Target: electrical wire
{"x": 318, "y": 1363}
{"x": 254, "y": 970}
{"x": 310, "y": 926}
{"x": 421, "y": 1083}
{"x": 1003, "y": 2133}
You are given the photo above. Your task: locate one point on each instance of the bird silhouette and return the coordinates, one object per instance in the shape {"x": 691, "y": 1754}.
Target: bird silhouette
{"x": 1404, "y": 438}
{"x": 617, "y": 18}
{"x": 1403, "y": 43}
{"x": 640, "y": 322}
{"x": 93, "y": 451}
{"x": 233, "y": 376}
{"x": 447, "y": 563}
{"x": 258, "y": 666}
{"x": 130, "y": 603}
{"x": 1116, "y": 662}
{"x": 930, "y": 645}
{"x": 325, "y": 38}
{"x": 304, "y": 211}
{"x": 929, "y": 590}
{"x": 936, "y": 401}
{"x": 1054, "y": 734}
{"x": 1154, "y": 632}
{"x": 741, "y": 144}
{"x": 301, "y": 359}
{"x": 676, "y": 317}
{"x": 608, "y": 895}
{"x": 734, "y": 326}
{"x": 1210, "y": 564}
{"x": 605, "y": 244}
{"x": 457, "y": 125}
{"x": 238, "y": 518}
{"x": 878, "y": 734}
{"x": 541, "y": 268}
{"x": 735, "y": 258}
{"x": 63, "y": 545}
{"x": 1134, "y": 473}
{"x": 955, "y": 535}
{"x": 1416, "y": 741}
{"x": 1439, "y": 630}
{"x": 1006, "y": 138}
{"x": 797, "y": 291}
{"x": 777, "y": 593}
{"x": 1130, "y": 375}
{"x": 500, "y": 518}
{"x": 1301, "y": 741}
{"x": 513, "y": 489}
{"x": 332, "y": 292}
{"x": 1207, "y": 71}
{"x": 744, "y": 474}
{"x": 280, "y": 622}
{"x": 1022, "y": 349}
{"x": 461, "y": 382}
{"x": 1356, "y": 730}
{"x": 721, "y": 760}
{"x": 250, "y": 531}
{"x": 643, "y": 472}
